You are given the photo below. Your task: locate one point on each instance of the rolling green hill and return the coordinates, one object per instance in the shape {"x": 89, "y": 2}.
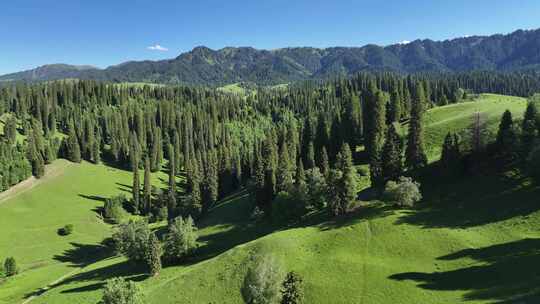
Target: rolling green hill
{"x": 471, "y": 239}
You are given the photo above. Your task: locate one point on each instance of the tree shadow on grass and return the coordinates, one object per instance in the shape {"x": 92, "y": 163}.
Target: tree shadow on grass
{"x": 474, "y": 200}
{"x": 233, "y": 227}
{"x": 97, "y": 277}
{"x": 81, "y": 255}
{"x": 505, "y": 273}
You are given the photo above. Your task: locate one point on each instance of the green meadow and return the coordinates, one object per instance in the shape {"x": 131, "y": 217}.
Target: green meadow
{"x": 471, "y": 239}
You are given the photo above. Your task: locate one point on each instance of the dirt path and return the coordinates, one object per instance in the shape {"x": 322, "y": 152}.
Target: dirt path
{"x": 51, "y": 171}
{"x": 44, "y": 289}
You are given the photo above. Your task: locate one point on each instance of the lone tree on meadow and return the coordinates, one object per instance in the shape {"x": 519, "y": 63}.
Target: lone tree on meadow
{"x": 292, "y": 289}
{"x": 263, "y": 280}
{"x": 10, "y": 267}
{"x": 120, "y": 291}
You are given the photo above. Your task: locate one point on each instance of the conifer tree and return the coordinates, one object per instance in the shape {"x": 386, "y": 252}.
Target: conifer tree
{"x": 506, "y": 135}
{"x": 324, "y": 163}
{"x": 394, "y": 110}
{"x": 347, "y": 187}
{"x": 136, "y": 185}
{"x": 73, "y": 148}
{"x": 147, "y": 186}
{"x": 415, "y": 157}
{"x": 529, "y": 132}
{"x": 194, "y": 180}
{"x": 153, "y": 255}
{"x": 310, "y": 156}
{"x": 211, "y": 182}
{"x": 392, "y": 159}
{"x": 284, "y": 170}
{"x": 172, "y": 170}
{"x": 450, "y": 154}
{"x": 376, "y": 139}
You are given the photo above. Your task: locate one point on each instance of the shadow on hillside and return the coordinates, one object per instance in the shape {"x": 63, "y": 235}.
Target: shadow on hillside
{"x": 474, "y": 200}
{"x": 124, "y": 187}
{"x": 97, "y": 277}
{"x": 83, "y": 254}
{"x": 93, "y": 197}
{"x": 365, "y": 212}
{"x": 508, "y": 273}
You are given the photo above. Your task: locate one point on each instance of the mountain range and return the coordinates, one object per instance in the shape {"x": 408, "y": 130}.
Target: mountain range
{"x": 519, "y": 50}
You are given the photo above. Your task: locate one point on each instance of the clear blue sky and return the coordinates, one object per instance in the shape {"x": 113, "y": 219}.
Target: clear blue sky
{"x": 102, "y": 33}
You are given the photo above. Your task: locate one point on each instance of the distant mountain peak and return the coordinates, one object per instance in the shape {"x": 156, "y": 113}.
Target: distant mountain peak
{"x": 519, "y": 50}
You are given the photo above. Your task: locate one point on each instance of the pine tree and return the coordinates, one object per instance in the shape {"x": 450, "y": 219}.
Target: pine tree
{"x": 172, "y": 169}
{"x": 153, "y": 255}
{"x": 147, "y": 186}
{"x": 194, "y": 181}
{"x": 392, "y": 159}
{"x": 284, "y": 170}
{"x": 506, "y": 136}
{"x": 450, "y": 154}
{"x": 376, "y": 139}
{"x": 347, "y": 188}
{"x": 324, "y": 163}
{"x": 211, "y": 182}
{"x": 136, "y": 186}
{"x": 394, "y": 111}
{"x": 415, "y": 157}
{"x": 529, "y": 132}
{"x": 310, "y": 156}
{"x": 73, "y": 148}
{"x": 292, "y": 289}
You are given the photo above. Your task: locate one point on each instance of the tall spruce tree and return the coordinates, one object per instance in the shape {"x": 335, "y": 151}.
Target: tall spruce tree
{"x": 415, "y": 157}
{"x": 392, "y": 156}
{"x": 506, "y": 136}
{"x": 153, "y": 255}
{"x": 284, "y": 170}
{"x": 529, "y": 132}
{"x": 147, "y": 191}
{"x": 376, "y": 139}
{"x": 347, "y": 187}
{"x": 136, "y": 191}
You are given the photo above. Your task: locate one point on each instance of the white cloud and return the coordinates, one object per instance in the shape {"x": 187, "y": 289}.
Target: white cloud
{"x": 404, "y": 42}
{"x": 157, "y": 47}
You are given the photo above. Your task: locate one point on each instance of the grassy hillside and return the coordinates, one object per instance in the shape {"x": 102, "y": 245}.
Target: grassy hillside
{"x": 472, "y": 239}
{"x": 30, "y": 218}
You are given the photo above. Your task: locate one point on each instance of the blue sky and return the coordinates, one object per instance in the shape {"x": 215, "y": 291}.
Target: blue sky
{"x": 102, "y": 33}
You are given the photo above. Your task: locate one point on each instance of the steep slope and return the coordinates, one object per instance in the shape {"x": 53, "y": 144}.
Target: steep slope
{"x": 519, "y": 50}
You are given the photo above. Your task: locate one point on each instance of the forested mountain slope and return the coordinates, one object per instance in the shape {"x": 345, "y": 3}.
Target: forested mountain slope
{"x": 512, "y": 52}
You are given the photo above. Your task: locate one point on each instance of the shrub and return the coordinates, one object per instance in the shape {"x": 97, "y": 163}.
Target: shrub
{"x": 286, "y": 207}
{"x": 404, "y": 192}
{"x": 120, "y": 291}
{"x": 113, "y": 209}
{"x": 181, "y": 239}
{"x": 292, "y": 289}
{"x": 66, "y": 230}
{"x": 131, "y": 240}
{"x": 10, "y": 267}
{"x": 262, "y": 282}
